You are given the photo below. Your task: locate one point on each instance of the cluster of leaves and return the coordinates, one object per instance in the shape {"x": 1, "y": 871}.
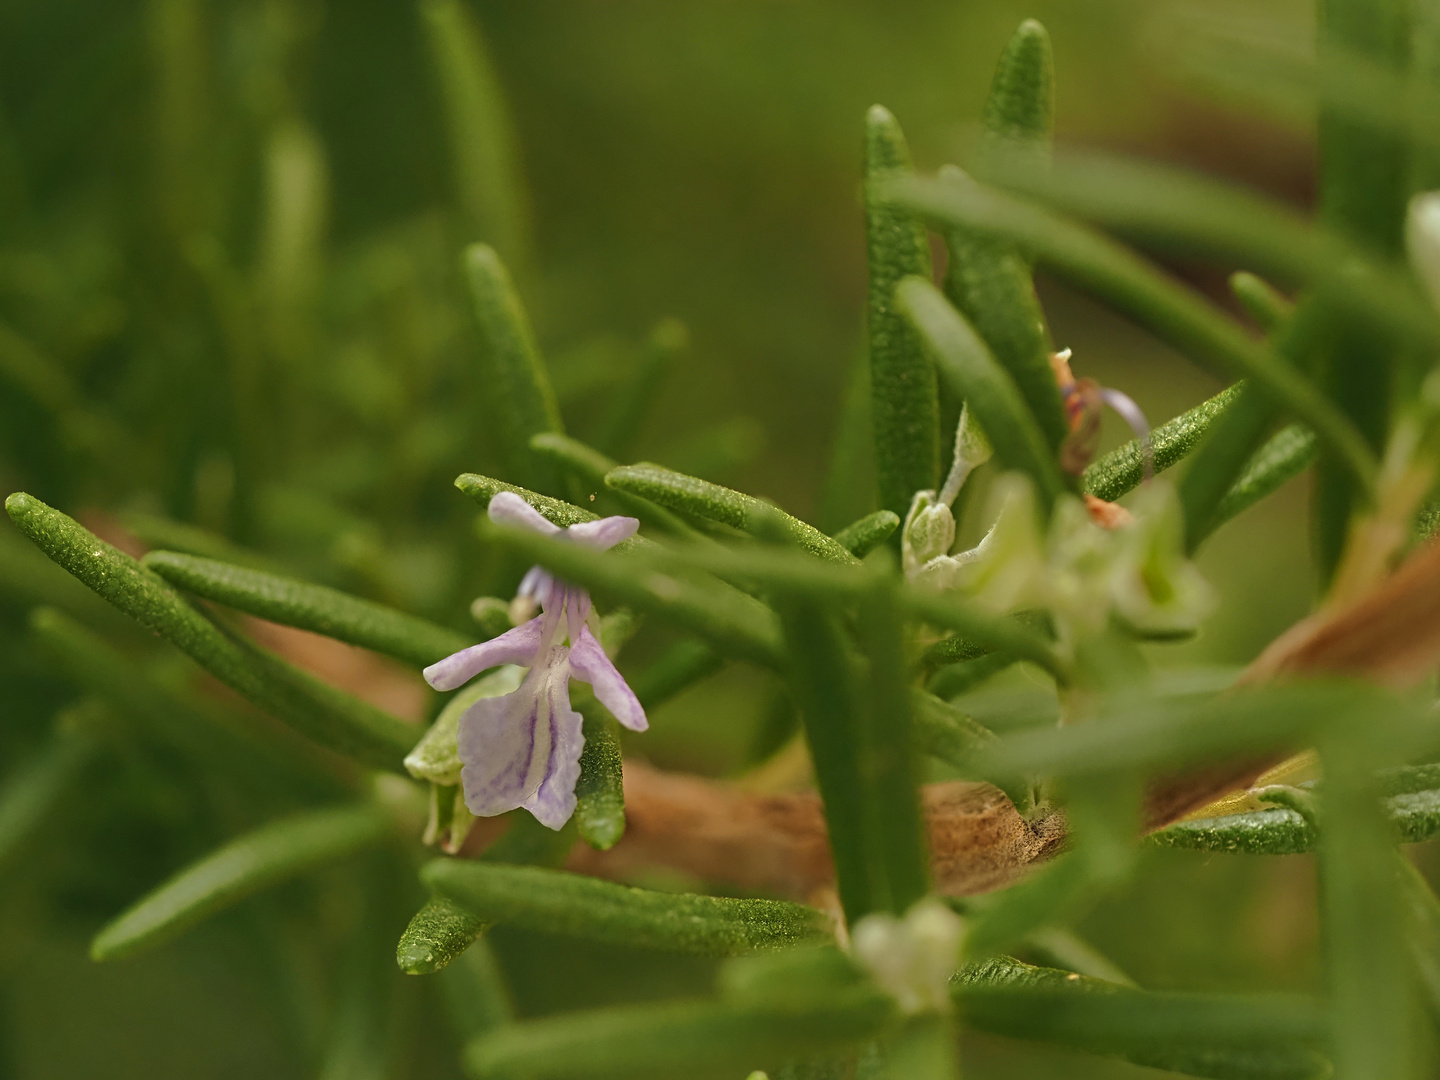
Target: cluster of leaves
{"x": 831, "y": 615}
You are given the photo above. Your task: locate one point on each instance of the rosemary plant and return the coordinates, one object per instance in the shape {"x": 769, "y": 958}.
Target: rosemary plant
{"x": 864, "y": 895}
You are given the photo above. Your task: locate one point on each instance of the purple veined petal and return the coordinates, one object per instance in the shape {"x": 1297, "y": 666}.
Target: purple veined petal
{"x": 604, "y": 533}
{"x": 505, "y": 743}
{"x": 589, "y": 663}
{"x": 554, "y": 801}
{"x": 507, "y": 508}
{"x": 517, "y": 646}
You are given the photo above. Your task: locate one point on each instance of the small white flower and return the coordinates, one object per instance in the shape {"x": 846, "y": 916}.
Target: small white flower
{"x": 912, "y": 958}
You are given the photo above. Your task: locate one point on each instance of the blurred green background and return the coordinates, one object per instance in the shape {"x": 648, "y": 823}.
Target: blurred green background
{"x": 229, "y": 297}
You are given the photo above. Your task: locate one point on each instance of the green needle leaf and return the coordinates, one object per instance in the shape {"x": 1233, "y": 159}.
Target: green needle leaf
{"x": 1414, "y": 817}
{"x": 1261, "y": 301}
{"x": 668, "y": 342}
{"x": 703, "y": 1040}
{"x": 904, "y": 397}
{"x": 1133, "y": 285}
{"x": 824, "y": 684}
{"x": 681, "y": 666}
{"x": 483, "y": 488}
{"x": 889, "y": 730}
{"x": 1422, "y": 911}
{"x": 700, "y": 498}
{"x": 1122, "y": 469}
{"x": 519, "y": 394}
{"x": 1196, "y": 215}
{"x": 555, "y": 902}
{"x": 944, "y": 732}
{"x": 590, "y": 467}
{"x": 600, "y": 791}
{"x": 244, "y": 866}
{"x": 652, "y": 581}
{"x": 484, "y": 157}
{"x": 1236, "y": 1037}
{"x": 989, "y": 280}
{"x": 325, "y": 714}
{"x": 193, "y": 724}
{"x": 438, "y": 933}
{"x": 971, "y": 371}
{"x": 1289, "y": 452}
{"x": 310, "y": 607}
{"x": 864, "y": 536}
{"x": 31, "y": 792}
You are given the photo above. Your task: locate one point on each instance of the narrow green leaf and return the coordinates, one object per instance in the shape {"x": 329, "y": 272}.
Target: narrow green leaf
{"x": 255, "y": 861}
{"x": 668, "y": 342}
{"x": 1249, "y": 1037}
{"x": 518, "y": 391}
{"x": 1053, "y": 895}
{"x": 1422, "y": 913}
{"x": 681, "y": 666}
{"x": 160, "y": 532}
{"x": 1123, "y": 469}
{"x": 325, "y": 714}
{"x": 824, "y": 684}
{"x": 1196, "y": 215}
{"x": 438, "y": 933}
{"x": 887, "y": 752}
{"x": 1289, "y": 452}
{"x": 1258, "y": 832}
{"x": 590, "y": 466}
{"x": 989, "y": 280}
{"x": 1363, "y": 173}
{"x": 904, "y": 399}
{"x": 1414, "y": 817}
{"x": 967, "y": 365}
{"x": 925, "y": 1048}
{"x": 952, "y": 680}
{"x": 1168, "y": 732}
{"x": 699, "y": 498}
{"x": 32, "y": 791}
{"x": 321, "y": 610}
{"x": 1133, "y": 285}
{"x": 361, "y": 1040}
{"x": 864, "y": 536}
{"x": 1361, "y": 913}
{"x": 944, "y": 732}
{"x": 1067, "y": 950}
{"x": 483, "y": 488}
{"x": 704, "y": 1040}
{"x": 1240, "y": 433}
{"x": 191, "y": 723}
{"x": 476, "y": 998}
{"x": 555, "y": 902}
{"x": 600, "y": 791}
{"x": 648, "y": 580}
{"x": 1233, "y": 441}
{"x": 1020, "y": 108}
{"x": 1261, "y": 300}
{"x": 484, "y": 156}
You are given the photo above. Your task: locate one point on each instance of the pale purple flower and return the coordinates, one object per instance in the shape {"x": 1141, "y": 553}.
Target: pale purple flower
{"x": 523, "y": 749}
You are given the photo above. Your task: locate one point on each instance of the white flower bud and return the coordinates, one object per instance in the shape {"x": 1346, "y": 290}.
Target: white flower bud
{"x": 912, "y": 958}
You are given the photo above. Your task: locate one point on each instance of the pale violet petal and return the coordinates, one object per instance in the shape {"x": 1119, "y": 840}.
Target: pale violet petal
{"x": 577, "y": 610}
{"x": 554, "y": 801}
{"x": 507, "y": 508}
{"x": 505, "y": 743}
{"x": 604, "y": 533}
{"x": 517, "y": 646}
{"x": 588, "y": 663}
